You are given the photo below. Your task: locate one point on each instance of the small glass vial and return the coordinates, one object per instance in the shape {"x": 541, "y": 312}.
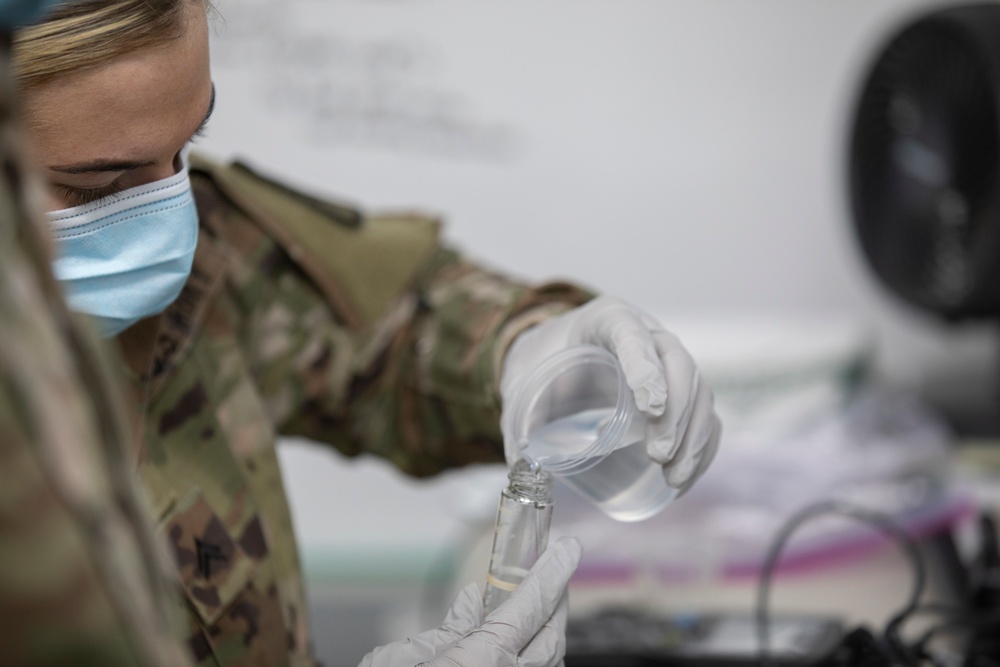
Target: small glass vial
{"x": 522, "y": 531}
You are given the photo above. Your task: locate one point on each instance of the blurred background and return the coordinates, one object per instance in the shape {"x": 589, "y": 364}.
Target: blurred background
{"x": 690, "y": 157}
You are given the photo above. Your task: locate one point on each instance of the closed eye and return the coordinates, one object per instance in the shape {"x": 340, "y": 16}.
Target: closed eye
{"x": 200, "y": 132}
{"x": 80, "y": 196}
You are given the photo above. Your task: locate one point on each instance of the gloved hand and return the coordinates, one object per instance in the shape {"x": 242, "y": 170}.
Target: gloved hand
{"x": 528, "y": 630}
{"x": 682, "y": 430}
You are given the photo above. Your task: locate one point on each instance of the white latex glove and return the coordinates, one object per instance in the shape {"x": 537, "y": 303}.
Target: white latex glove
{"x": 528, "y": 630}
{"x": 682, "y": 431}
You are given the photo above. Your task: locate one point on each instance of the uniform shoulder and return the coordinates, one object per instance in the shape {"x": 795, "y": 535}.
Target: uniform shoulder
{"x": 360, "y": 260}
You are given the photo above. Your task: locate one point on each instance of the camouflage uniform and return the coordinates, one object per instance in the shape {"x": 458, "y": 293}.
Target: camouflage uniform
{"x": 303, "y": 317}
{"x": 83, "y": 580}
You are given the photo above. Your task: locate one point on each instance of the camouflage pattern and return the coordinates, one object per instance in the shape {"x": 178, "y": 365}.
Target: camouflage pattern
{"x": 83, "y": 579}
{"x": 304, "y": 317}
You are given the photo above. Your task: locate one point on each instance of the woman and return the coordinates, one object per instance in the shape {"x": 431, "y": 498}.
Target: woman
{"x": 244, "y": 310}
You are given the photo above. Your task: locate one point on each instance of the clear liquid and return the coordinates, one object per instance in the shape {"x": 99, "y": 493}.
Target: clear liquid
{"x": 626, "y": 484}
{"x": 522, "y": 531}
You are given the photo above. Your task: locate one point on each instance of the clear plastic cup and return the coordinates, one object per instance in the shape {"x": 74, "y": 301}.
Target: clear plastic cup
{"x": 576, "y": 417}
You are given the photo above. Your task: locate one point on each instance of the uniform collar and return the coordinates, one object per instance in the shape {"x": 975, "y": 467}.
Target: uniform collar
{"x": 153, "y": 348}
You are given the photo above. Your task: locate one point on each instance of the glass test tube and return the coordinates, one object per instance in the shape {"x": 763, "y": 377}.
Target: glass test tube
{"x": 522, "y": 531}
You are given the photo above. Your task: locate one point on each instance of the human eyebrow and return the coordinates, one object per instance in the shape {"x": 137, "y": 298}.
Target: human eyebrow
{"x": 101, "y": 166}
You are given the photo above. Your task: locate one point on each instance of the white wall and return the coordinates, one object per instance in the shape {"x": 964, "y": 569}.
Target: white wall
{"x": 687, "y": 155}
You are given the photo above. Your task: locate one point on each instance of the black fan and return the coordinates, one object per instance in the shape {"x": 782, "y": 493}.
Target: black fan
{"x": 925, "y": 162}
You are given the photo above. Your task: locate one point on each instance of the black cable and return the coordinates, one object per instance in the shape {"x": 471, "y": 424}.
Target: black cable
{"x": 956, "y": 619}
{"x": 963, "y": 622}
{"x": 839, "y": 508}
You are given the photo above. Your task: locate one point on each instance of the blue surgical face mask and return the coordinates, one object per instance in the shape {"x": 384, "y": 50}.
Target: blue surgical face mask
{"x": 124, "y": 258}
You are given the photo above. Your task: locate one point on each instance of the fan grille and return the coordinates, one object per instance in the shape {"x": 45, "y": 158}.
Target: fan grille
{"x": 924, "y": 165}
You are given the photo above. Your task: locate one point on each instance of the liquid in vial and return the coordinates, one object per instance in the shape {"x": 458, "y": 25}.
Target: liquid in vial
{"x": 522, "y": 531}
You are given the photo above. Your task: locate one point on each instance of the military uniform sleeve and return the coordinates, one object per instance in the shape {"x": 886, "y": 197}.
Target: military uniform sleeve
{"x": 79, "y": 583}
{"x": 83, "y": 580}
{"x": 365, "y": 331}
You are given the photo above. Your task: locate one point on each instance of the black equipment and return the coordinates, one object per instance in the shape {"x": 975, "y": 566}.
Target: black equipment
{"x": 924, "y": 162}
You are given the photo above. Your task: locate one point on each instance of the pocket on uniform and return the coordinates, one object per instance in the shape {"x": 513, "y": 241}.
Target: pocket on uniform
{"x": 213, "y": 566}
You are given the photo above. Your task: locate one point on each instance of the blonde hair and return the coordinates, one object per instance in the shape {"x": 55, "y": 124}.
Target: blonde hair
{"x": 81, "y": 34}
